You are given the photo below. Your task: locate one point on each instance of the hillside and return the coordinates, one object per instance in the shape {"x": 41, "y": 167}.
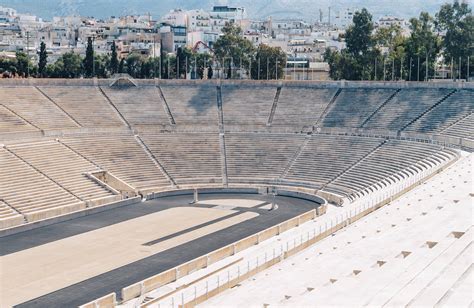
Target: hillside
{"x": 308, "y": 9}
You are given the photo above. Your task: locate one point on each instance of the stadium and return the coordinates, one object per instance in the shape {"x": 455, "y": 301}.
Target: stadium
{"x": 181, "y": 193}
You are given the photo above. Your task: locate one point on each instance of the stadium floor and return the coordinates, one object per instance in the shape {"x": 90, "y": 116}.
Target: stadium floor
{"x": 72, "y": 262}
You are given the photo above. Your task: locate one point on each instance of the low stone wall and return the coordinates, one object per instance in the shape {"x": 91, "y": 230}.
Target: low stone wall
{"x": 53, "y": 216}
{"x": 202, "y": 190}
{"x": 467, "y": 144}
{"x": 11, "y": 222}
{"x": 301, "y": 195}
{"x": 182, "y": 270}
{"x": 240, "y": 190}
{"x": 54, "y": 212}
{"x": 215, "y": 82}
{"x": 106, "y": 301}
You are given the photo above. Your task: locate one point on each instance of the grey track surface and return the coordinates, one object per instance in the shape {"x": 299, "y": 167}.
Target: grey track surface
{"x": 115, "y": 280}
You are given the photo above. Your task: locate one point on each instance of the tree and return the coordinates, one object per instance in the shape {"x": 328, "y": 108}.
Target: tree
{"x": 89, "y": 59}
{"x": 457, "y": 22}
{"x": 182, "y": 56}
{"x": 114, "y": 63}
{"x": 272, "y": 62}
{"x": 102, "y": 65}
{"x": 43, "y": 60}
{"x": 69, "y": 65}
{"x": 169, "y": 66}
{"x": 22, "y": 63}
{"x": 210, "y": 72}
{"x": 393, "y": 42}
{"x": 151, "y": 68}
{"x": 134, "y": 64}
{"x": 7, "y": 67}
{"x": 359, "y": 35}
{"x": 333, "y": 58}
{"x": 356, "y": 61}
{"x": 342, "y": 65}
{"x": 121, "y": 66}
{"x": 423, "y": 44}
{"x": 198, "y": 62}
{"x": 231, "y": 47}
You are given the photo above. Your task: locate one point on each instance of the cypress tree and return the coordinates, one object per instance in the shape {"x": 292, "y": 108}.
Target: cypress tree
{"x": 210, "y": 73}
{"x": 114, "y": 64}
{"x": 121, "y": 66}
{"x": 89, "y": 59}
{"x": 43, "y": 60}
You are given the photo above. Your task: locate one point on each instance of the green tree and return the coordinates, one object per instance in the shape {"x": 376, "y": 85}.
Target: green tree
{"x": 151, "y": 68}
{"x": 89, "y": 59}
{"x": 457, "y": 22}
{"x": 210, "y": 71}
{"x": 69, "y": 65}
{"x": 134, "y": 63}
{"x": 356, "y": 61}
{"x": 199, "y": 62}
{"x": 233, "y": 48}
{"x": 114, "y": 63}
{"x": 422, "y": 45}
{"x": 169, "y": 67}
{"x": 43, "y": 60}
{"x": 183, "y": 56}
{"x": 7, "y": 67}
{"x": 272, "y": 62}
{"x": 341, "y": 65}
{"x": 333, "y": 58}
{"x": 22, "y": 63}
{"x": 51, "y": 71}
{"x": 358, "y": 36}
{"x": 102, "y": 66}
{"x": 121, "y": 67}
{"x": 391, "y": 40}
{"x": 165, "y": 66}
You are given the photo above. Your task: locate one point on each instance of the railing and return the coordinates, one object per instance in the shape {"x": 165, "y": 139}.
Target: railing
{"x": 324, "y": 84}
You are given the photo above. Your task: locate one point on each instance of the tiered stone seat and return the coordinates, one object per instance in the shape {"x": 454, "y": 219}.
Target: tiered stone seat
{"x": 247, "y": 105}
{"x": 141, "y": 106}
{"x": 454, "y": 108}
{"x": 87, "y": 105}
{"x": 253, "y": 157}
{"x": 381, "y": 260}
{"x": 6, "y": 211}
{"x": 47, "y": 178}
{"x": 30, "y": 192}
{"x": 188, "y": 157}
{"x": 394, "y": 157}
{"x": 9, "y": 217}
{"x": 122, "y": 156}
{"x": 31, "y": 105}
{"x": 64, "y": 167}
{"x": 9, "y": 122}
{"x": 325, "y": 157}
{"x": 406, "y": 106}
{"x": 192, "y": 105}
{"x": 353, "y": 106}
{"x": 301, "y": 106}
{"x": 463, "y": 128}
